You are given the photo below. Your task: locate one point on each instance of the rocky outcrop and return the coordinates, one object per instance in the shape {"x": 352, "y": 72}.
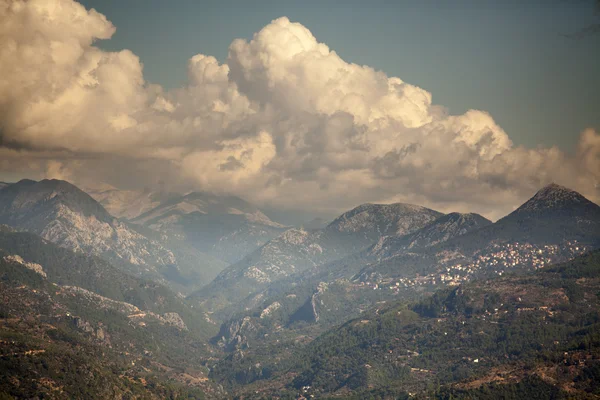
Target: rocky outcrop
{"x": 174, "y": 319}
{"x": 99, "y": 332}
{"x": 270, "y": 309}
{"x": 234, "y": 334}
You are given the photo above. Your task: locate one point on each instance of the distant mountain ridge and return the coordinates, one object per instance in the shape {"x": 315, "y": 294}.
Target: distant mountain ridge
{"x": 553, "y": 214}
{"x": 203, "y": 203}
{"x": 226, "y": 227}
{"x": 128, "y": 204}
{"x": 376, "y": 220}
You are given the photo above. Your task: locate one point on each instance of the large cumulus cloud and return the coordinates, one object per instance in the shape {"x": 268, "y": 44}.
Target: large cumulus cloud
{"x": 283, "y": 121}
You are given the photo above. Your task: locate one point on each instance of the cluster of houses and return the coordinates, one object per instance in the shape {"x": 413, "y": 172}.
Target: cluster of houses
{"x": 498, "y": 259}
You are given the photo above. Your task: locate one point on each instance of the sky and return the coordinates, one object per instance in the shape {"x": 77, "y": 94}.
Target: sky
{"x": 513, "y": 59}
{"x": 313, "y": 106}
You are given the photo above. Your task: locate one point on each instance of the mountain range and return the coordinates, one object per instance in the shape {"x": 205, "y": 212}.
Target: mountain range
{"x": 179, "y": 240}
{"x": 371, "y": 304}
{"x": 451, "y": 250}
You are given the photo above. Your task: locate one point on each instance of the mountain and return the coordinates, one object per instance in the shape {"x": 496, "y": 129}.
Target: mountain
{"x": 532, "y": 335}
{"x": 441, "y": 230}
{"x": 371, "y": 221}
{"x": 297, "y": 250}
{"x": 27, "y": 202}
{"x": 324, "y": 295}
{"x": 128, "y": 204}
{"x": 554, "y": 201}
{"x": 226, "y": 227}
{"x": 3, "y": 184}
{"x": 552, "y": 215}
{"x": 109, "y": 334}
{"x": 555, "y": 225}
{"x": 449, "y": 251}
{"x": 94, "y": 274}
{"x": 61, "y": 213}
{"x": 386, "y": 301}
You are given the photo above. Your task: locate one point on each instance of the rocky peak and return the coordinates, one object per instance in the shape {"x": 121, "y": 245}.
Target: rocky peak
{"x": 553, "y": 196}
{"x": 556, "y": 198}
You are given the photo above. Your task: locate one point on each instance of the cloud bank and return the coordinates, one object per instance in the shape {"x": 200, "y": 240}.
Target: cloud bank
{"x": 284, "y": 121}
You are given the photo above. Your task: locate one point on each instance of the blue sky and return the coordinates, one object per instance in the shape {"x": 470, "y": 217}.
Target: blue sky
{"x": 511, "y": 59}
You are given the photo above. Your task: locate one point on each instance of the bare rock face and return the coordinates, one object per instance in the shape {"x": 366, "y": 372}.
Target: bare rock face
{"x": 309, "y": 311}
{"x": 174, "y": 319}
{"x": 270, "y": 309}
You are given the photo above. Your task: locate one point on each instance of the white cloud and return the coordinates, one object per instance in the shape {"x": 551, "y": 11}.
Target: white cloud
{"x": 284, "y": 121}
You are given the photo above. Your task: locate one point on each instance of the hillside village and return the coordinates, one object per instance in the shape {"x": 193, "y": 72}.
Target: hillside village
{"x": 497, "y": 260}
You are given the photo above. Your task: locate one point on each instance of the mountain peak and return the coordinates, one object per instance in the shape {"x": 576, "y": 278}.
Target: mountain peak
{"x": 554, "y": 189}
{"x": 554, "y": 196}
{"x": 553, "y": 201}
{"x": 383, "y": 219}
{"x": 31, "y": 196}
